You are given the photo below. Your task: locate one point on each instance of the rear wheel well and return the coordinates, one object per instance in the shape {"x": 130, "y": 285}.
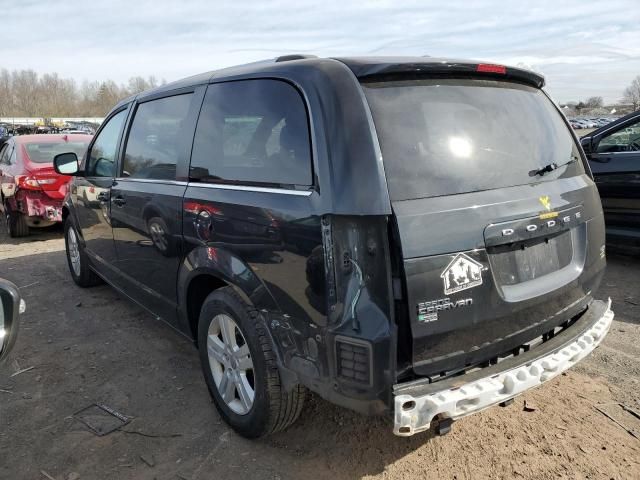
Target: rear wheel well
{"x": 199, "y": 289}
{"x": 65, "y": 214}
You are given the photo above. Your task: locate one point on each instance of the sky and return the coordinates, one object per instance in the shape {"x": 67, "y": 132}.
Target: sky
{"x": 584, "y": 48}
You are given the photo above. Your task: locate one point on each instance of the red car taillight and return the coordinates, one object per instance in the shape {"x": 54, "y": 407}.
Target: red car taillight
{"x": 33, "y": 182}
{"x": 28, "y": 183}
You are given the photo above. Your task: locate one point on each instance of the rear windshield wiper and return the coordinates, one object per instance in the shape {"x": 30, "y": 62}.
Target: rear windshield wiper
{"x": 551, "y": 167}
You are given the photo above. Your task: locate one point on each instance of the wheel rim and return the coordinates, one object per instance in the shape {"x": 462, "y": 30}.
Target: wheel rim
{"x": 231, "y": 364}
{"x": 74, "y": 251}
{"x": 158, "y": 236}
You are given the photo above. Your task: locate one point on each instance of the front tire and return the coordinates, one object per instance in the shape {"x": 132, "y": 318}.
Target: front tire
{"x": 240, "y": 368}
{"x": 77, "y": 258}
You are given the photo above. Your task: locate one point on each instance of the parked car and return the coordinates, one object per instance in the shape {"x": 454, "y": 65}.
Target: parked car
{"x": 429, "y": 248}
{"x": 11, "y": 306}
{"x": 31, "y": 191}
{"x": 582, "y": 123}
{"x": 72, "y": 131}
{"x": 614, "y": 155}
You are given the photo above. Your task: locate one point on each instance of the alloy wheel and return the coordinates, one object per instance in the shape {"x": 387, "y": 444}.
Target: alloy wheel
{"x": 231, "y": 364}
{"x": 74, "y": 251}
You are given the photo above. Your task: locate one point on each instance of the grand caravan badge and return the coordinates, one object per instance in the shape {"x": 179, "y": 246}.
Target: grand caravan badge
{"x": 462, "y": 273}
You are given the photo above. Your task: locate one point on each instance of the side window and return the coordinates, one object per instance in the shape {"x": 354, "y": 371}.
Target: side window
{"x": 623, "y": 140}
{"x": 8, "y": 154}
{"x": 252, "y": 131}
{"x": 157, "y": 131}
{"x": 12, "y": 154}
{"x": 102, "y": 157}
{"x": 4, "y": 154}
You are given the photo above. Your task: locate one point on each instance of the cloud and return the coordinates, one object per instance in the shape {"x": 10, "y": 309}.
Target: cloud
{"x": 584, "y": 48}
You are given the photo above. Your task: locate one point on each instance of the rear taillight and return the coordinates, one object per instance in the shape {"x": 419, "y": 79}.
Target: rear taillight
{"x": 490, "y": 68}
{"x": 33, "y": 182}
{"x": 28, "y": 183}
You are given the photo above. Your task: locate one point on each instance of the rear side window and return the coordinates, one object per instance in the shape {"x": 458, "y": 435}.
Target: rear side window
{"x": 449, "y": 136}
{"x": 252, "y": 131}
{"x": 44, "y": 152}
{"x": 156, "y": 135}
{"x": 5, "y": 154}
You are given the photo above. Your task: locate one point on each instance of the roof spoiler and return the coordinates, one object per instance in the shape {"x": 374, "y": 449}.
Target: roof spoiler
{"x": 294, "y": 56}
{"x": 404, "y": 71}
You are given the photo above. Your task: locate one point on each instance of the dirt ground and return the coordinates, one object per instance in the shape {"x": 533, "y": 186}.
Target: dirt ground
{"x": 89, "y": 346}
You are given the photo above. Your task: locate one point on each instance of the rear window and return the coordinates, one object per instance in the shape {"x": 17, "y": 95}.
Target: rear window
{"x": 449, "y": 136}
{"x": 44, "y": 152}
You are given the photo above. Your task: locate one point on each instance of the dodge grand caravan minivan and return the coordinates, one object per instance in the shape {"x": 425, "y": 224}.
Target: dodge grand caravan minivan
{"x": 415, "y": 237}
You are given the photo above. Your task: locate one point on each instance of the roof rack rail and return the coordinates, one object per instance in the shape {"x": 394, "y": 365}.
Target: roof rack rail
{"x": 294, "y": 56}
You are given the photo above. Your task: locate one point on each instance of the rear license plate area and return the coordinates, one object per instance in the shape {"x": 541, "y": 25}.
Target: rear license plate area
{"x": 524, "y": 261}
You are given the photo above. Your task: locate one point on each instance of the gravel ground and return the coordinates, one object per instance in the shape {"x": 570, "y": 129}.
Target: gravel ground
{"x": 89, "y": 346}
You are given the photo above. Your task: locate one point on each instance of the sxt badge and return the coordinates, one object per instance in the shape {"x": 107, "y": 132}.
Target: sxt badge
{"x": 462, "y": 272}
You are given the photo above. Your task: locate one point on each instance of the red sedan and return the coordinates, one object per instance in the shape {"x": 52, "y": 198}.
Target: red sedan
{"x": 30, "y": 190}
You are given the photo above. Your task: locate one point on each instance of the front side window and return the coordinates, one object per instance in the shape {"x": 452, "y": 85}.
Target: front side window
{"x": 156, "y": 134}
{"x": 624, "y": 140}
{"x": 102, "y": 158}
{"x": 252, "y": 131}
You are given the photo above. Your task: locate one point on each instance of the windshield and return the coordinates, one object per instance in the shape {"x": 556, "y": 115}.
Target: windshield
{"x": 442, "y": 137}
{"x": 44, "y": 152}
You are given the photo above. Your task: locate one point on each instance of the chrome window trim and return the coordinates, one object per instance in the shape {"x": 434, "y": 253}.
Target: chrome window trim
{"x": 246, "y": 188}
{"x": 150, "y": 180}
{"x": 221, "y": 186}
{"x": 635, "y": 152}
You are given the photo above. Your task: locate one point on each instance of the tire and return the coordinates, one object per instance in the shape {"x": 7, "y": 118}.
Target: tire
{"x": 16, "y": 223}
{"x": 272, "y": 408}
{"x": 81, "y": 273}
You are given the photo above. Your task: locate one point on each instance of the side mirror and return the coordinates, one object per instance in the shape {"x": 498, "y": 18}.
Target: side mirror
{"x": 11, "y": 306}
{"x": 66, "y": 163}
{"x": 587, "y": 146}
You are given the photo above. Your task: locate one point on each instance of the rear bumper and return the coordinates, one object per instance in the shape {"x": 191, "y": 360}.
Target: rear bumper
{"x": 40, "y": 206}
{"x": 416, "y": 404}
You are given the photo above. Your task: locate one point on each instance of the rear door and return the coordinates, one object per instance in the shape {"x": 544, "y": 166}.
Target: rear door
{"x": 494, "y": 249}
{"x": 251, "y": 178}
{"x": 146, "y": 197}
{"x": 615, "y": 163}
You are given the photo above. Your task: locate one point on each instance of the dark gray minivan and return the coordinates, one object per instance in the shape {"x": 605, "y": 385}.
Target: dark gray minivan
{"x": 415, "y": 237}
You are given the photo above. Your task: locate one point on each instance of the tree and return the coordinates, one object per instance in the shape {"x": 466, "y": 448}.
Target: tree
{"x": 24, "y": 93}
{"x": 632, "y": 93}
{"x": 594, "y": 102}
{"x": 139, "y": 84}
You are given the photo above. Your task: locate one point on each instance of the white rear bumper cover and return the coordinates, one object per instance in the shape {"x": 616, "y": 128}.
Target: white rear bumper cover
{"x": 413, "y": 414}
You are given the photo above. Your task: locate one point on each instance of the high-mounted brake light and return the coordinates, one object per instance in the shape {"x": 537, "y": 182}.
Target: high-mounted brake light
{"x": 489, "y": 68}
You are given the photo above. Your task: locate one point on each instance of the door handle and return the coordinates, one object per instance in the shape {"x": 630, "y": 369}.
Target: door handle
{"x": 119, "y": 201}
{"x": 103, "y": 196}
